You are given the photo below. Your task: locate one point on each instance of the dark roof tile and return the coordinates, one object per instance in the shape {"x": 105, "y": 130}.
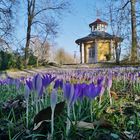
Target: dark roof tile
{"x": 98, "y": 21}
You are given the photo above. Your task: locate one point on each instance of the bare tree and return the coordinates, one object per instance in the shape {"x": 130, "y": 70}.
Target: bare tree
{"x": 62, "y": 57}
{"x": 124, "y": 15}
{"x": 7, "y": 8}
{"x": 134, "y": 57}
{"x": 41, "y": 50}
{"x": 41, "y": 16}
{"x": 118, "y": 20}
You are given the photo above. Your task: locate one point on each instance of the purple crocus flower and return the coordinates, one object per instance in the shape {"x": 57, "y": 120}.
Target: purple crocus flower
{"x": 29, "y": 83}
{"x": 1, "y": 82}
{"x": 109, "y": 85}
{"x": 58, "y": 84}
{"x": 93, "y": 91}
{"x": 18, "y": 83}
{"x": 109, "y": 81}
{"x": 100, "y": 81}
{"x": 77, "y": 90}
{"x": 22, "y": 78}
{"x": 83, "y": 89}
{"x": 4, "y": 82}
{"x": 102, "y": 90}
{"x": 26, "y": 92}
{"x": 38, "y": 84}
{"x": 139, "y": 74}
{"x": 9, "y": 80}
{"x": 47, "y": 79}
{"x": 68, "y": 90}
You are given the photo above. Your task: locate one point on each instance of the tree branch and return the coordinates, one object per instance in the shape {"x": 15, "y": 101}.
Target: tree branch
{"x": 48, "y": 8}
{"x": 125, "y": 4}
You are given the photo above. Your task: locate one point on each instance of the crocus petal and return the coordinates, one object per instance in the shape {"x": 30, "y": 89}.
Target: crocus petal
{"x": 18, "y": 83}
{"x": 29, "y": 84}
{"x": 47, "y": 79}
{"x": 83, "y": 90}
{"x": 26, "y": 92}
{"x": 109, "y": 83}
{"x": 99, "y": 80}
{"x": 61, "y": 84}
{"x": 93, "y": 90}
{"x": 76, "y": 93}
{"x": 39, "y": 84}
{"x": 66, "y": 89}
{"x": 56, "y": 84}
{"x": 102, "y": 90}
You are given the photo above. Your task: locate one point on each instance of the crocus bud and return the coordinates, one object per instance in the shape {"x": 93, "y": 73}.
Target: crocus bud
{"x": 37, "y": 84}
{"x": 102, "y": 91}
{"x": 26, "y": 92}
{"x": 109, "y": 82}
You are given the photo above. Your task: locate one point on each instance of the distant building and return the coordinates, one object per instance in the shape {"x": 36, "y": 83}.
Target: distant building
{"x": 99, "y": 45}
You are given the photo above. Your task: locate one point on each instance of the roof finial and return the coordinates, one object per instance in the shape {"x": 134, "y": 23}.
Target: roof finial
{"x": 97, "y": 13}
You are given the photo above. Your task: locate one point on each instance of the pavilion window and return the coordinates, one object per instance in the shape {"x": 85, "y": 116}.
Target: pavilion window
{"x": 91, "y": 52}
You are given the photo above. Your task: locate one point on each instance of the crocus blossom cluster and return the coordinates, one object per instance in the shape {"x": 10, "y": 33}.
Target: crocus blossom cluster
{"x": 39, "y": 83}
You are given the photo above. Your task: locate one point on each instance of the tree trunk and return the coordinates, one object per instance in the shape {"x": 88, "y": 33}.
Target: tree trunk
{"x": 134, "y": 34}
{"x": 28, "y": 36}
{"x": 118, "y": 53}
{"x": 30, "y": 10}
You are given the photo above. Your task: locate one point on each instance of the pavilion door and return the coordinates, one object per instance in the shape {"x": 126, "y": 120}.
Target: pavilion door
{"x": 92, "y": 54}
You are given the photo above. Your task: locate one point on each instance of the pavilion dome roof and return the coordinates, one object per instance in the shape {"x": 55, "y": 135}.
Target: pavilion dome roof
{"x": 101, "y": 35}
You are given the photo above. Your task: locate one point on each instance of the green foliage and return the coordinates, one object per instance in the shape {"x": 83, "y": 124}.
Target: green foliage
{"x": 18, "y": 61}
{"x": 32, "y": 59}
{"x": 5, "y": 60}
{"x": 10, "y": 60}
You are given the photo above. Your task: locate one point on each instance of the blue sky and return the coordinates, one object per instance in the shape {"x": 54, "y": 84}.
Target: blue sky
{"x": 73, "y": 25}
{"x": 76, "y": 24}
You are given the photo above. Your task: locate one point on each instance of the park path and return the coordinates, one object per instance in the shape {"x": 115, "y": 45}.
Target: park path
{"x": 32, "y": 71}
{"x": 25, "y": 72}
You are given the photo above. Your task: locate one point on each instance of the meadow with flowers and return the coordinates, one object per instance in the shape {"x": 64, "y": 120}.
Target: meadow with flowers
{"x": 74, "y": 104}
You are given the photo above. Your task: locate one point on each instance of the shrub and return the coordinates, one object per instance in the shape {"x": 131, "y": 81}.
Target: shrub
{"x": 6, "y": 60}
{"x": 32, "y": 59}
{"x": 10, "y": 60}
